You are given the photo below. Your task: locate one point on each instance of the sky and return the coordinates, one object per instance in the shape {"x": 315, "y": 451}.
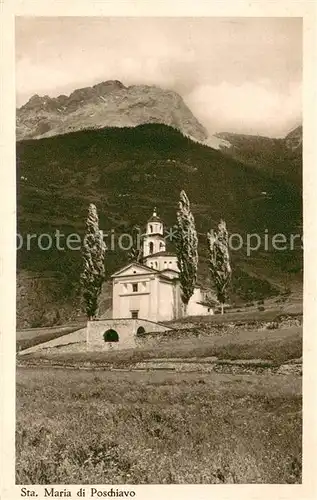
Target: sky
{"x": 239, "y": 75}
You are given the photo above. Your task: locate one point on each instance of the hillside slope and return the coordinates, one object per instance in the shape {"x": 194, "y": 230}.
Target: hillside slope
{"x": 279, "y": 157}
{"x": 127, "y": 171}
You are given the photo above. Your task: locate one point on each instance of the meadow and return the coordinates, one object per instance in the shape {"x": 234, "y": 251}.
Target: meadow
{"x": 103, "y": 427}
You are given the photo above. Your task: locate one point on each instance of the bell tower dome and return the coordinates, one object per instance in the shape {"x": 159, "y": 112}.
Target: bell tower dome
{"x": 154, "y": 241}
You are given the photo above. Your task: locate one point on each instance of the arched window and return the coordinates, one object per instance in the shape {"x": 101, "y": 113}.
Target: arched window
{"x": 151, "y": 247}
{"x": 151, "y": 228}
{"x": 140, "y": 330}
{"x": 111, "y": 336}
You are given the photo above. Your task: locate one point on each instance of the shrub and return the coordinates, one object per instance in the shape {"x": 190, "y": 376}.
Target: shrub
{"x": 272, "y": 326}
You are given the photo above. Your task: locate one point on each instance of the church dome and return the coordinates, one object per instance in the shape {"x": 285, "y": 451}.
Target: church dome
{"x": 154, "y": 217}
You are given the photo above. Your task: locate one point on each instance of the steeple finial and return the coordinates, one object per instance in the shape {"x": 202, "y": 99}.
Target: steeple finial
{"x": 154, "y": 212}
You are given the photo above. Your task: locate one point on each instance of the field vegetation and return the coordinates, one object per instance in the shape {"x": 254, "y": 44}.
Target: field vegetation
{"x": 34, "y": 336}
{"x": 87, "y": 427}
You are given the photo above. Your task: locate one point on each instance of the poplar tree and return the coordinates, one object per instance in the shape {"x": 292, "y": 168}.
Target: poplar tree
{"x": 186, "y": 249}
{"x": 219, "y": 261}
{"x": 93, "y": 274}
{"x": 136, "y": 252}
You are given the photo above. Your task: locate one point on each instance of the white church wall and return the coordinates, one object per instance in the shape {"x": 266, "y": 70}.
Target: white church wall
{"x": 172, "y": 263}
{"x": 194, "y": 308}
{"x": 153, "y": 245}
{"x": 166, "y": 301}
{"x": 116, "y": 303}
{"x": 143, "y": 301}
{"x": 153, "y": 300}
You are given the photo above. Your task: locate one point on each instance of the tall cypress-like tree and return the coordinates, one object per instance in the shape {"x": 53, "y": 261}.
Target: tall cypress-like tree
{"x": 186, "y": 249}
{"x": 136, "y": 252}
{"x": 219, "y": 261}
{"x": 93, "y": 274}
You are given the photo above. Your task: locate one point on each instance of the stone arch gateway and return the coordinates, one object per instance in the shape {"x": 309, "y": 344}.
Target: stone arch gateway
{"x": 111, "y": 336}
{"x": 140, "y": 330}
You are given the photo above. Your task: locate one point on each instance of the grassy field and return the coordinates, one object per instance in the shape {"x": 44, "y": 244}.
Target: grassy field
{"x": 113, "y": 428}
{"x": 34, "y": 336}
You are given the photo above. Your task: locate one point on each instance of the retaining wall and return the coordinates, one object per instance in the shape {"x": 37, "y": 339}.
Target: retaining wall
{"x": 126, "y": 329}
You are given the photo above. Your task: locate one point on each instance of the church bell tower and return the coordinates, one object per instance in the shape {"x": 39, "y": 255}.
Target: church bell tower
{"x": 154, "y": 241}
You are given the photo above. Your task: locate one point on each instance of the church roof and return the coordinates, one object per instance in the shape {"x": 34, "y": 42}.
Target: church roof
{"x": 169, "y": 269}
{"x": 165, "y": 274}
{"x": 163, "y": 253}
{"x": 154, "y": 217}
{"x": 135, "y": 264}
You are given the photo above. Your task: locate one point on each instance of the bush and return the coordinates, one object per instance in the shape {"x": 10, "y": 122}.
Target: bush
{"x": 261, "y": 308}
{"x": 273, "y": 326}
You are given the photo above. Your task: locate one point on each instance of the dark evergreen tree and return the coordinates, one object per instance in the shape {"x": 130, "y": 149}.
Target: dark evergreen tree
{"x": 219, "y": 261}
{"x": 93, "y": 274}
{"x": 186, "y": 249}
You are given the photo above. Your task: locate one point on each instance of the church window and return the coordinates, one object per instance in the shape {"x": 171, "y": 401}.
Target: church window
{"x": 151, "y": 228}
{"x": 134, "y": 287}
{"x": 161, "y": 245}
{"x": 111, "y": 336}
{"x": 151, "y": 246}
{"x": 134, "y": 314}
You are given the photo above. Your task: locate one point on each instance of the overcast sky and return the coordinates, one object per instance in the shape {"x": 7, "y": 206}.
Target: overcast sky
{"x": 240, "y": 75}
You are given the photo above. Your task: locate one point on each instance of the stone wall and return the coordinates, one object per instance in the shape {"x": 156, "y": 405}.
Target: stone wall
{"x": 126, "y": 329}
{"x": 205, "y": 330}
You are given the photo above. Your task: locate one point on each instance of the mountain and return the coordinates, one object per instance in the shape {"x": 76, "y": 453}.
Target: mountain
{"x": 126, "y": 172}
{"x": 278, "y": 157}
{"x": 107, "y": 104}
{"x": 294, "y": 140}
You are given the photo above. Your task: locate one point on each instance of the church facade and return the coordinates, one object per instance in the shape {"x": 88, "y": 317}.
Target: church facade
{"x": 151, "y": 290}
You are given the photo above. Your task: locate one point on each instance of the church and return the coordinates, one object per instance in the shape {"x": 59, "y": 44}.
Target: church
{"x": 151, "y": 290}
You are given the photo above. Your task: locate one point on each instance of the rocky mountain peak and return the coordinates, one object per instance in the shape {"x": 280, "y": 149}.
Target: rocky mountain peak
{"x": 106, "y": 104}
